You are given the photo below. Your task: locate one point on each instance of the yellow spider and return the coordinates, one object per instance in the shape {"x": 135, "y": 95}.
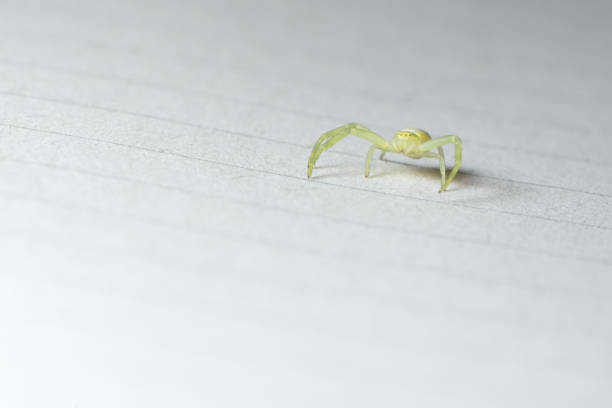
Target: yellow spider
{"x": 414, "y": 143}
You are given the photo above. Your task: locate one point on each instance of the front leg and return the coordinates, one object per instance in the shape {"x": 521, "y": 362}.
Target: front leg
{"x": 439, "y": 142}
{"x": 440, "y": 157}
{"x": 369, "y": 159}
{"x": 332, "y": 137}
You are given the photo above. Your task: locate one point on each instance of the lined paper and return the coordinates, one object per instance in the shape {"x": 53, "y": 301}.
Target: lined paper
{"x": 162, "y": 246}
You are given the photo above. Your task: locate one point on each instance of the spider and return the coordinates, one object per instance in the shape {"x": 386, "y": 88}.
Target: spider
{"x": 414, "y": 143}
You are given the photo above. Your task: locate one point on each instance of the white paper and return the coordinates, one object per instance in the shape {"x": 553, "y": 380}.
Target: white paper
{"x": 161, "y": 245}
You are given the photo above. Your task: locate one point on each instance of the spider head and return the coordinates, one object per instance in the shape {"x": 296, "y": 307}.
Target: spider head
{"x": 406, "y": 140}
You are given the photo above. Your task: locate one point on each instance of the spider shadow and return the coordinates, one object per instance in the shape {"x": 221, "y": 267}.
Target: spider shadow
{"x": 422, "y": 170}
{"x": 481, "y": 186}
{"x": 376, "y": 172}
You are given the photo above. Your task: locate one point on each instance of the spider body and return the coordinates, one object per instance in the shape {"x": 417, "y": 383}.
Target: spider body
{"x": 414, "y": 143}
{"x": 407, "y": 141}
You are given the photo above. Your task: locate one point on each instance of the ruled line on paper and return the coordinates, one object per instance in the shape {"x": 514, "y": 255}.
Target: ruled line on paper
{"x": 337, "y": 152}
{"x": 164, "y": 87}
{"x": 278, "y": 174}
{"x": 399, "y": 265}
{"x": 336, "y": 219}
{"x": 273, "y": 140}
{"x": 325, "y": 87}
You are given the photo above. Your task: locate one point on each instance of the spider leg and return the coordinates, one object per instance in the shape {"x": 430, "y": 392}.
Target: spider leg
{"x": 440, "y": 157}
{"x": 438, "y": 142}
{"x": 332, "y": 137}
{"x": 369, "y": 159}
{"x": 442, "y": 165}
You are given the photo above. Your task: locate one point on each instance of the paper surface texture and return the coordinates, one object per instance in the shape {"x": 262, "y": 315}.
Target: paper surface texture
{"x": 161, "y": 245}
